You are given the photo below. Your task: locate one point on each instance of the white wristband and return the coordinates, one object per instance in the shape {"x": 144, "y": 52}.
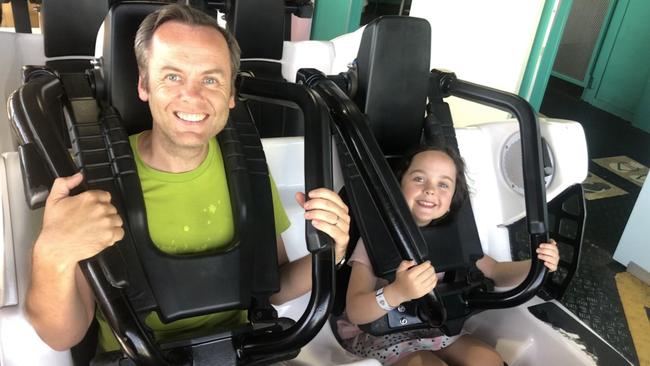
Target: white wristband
{"x": 381, "y": 300}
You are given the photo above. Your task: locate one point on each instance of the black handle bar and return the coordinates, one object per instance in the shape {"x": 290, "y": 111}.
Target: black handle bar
{"x": 534, "y": 188}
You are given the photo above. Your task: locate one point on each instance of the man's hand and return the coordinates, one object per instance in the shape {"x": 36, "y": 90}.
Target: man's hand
{"x": 59, "y": 302}
{"x": 328, "y": 214}
{"x": 78, "y": 227}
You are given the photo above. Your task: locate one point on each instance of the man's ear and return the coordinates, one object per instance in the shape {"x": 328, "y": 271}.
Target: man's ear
{"x": 143, "y": 90}
{"x": 231, "y": 101}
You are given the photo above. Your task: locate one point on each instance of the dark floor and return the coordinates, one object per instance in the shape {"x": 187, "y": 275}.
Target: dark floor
{"x": 592, "y": 294}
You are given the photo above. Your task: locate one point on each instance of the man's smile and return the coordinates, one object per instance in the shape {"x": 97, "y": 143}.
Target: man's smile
{"x": 190, "y": 117}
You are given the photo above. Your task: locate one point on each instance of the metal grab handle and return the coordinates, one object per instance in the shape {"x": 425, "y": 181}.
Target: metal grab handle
{"x": 318, "y": 173}
{"x": 534, "y": 189}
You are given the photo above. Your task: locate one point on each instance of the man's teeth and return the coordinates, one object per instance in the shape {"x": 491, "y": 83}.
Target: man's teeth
{"x": 190, "y": 117}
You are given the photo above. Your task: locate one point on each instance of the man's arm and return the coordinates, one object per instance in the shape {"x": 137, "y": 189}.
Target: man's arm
{"x": 60, "y": 304}
{"x": 328, "y": 214}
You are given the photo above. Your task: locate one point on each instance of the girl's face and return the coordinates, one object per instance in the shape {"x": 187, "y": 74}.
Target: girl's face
{"x": 428, "y": 185}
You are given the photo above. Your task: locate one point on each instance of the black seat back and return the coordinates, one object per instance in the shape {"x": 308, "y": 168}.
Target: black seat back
{"x": 260, "y": 28}
{"x": 70, "y": 28}
{"x": 393, "y": 68}
{"x": 119, "y": 70}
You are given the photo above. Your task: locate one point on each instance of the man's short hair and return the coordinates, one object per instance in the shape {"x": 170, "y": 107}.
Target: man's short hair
{"x": 185, "y": 15}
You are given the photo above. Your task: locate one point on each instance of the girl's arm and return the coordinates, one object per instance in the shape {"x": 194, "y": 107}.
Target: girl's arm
{"x": 513, "y": 273}
{"x": 411, "y": 282}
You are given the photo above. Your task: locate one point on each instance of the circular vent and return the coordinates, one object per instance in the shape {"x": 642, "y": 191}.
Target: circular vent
{"x": 511, "y": 168}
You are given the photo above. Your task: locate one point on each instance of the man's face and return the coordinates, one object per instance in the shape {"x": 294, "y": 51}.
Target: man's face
{"x": 189, "y": 85}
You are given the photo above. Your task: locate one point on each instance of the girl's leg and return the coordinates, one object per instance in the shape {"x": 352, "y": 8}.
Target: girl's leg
{"x": 469, "y": 351}
{"x": 421, "y": 358}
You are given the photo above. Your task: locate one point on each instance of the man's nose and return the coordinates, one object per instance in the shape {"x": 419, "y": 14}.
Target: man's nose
{"x": 191, "y": 89}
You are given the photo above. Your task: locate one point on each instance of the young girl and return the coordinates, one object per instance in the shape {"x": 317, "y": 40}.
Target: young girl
{"x": 433, "y": 183}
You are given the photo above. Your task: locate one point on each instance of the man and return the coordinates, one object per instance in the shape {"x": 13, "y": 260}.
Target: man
{"x": 187, "y": 66}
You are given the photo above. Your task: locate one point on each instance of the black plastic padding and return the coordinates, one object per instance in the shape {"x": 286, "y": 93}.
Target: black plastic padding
{"x": 393, "y": 93}
{"x": 37, "y": 179}
{"x": 258, "y": 27}
{"x": 69, "y": 65}
{"x": 262, "y": 69}
{"x": 119, "y": 65}
{"x": 452, "y": 243}
{"x": 70, "y": 27}
{"x": 38, "y": 121}
{"x": 567, "y": 215}
{"x": 353, "y": 129}
{"x": 198, "y": 280}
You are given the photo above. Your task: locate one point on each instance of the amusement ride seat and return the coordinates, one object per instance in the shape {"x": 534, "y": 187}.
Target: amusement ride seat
{"x": 94, "y": 115}
{"x": 378, "y": 108}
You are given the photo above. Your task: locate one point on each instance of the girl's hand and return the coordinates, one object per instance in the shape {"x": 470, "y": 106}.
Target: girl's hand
{"x": 549, "y": 253}
{"x": 413, "y": 281}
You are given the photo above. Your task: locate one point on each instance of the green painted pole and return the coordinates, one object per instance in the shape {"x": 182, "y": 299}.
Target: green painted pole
{"x": 333, "y": 18}
{"x": 545, "y": 46}
{"x": 642, "y": 115}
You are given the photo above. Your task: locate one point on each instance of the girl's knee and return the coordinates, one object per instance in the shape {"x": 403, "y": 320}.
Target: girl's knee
{"x": 468, "y": 350}
{"x": 421, "y": 358}
{"x": 492, "y": 357}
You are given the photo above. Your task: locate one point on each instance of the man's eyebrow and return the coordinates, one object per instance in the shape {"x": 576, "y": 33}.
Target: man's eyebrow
{"x": 171, "y": 68}
{"x": 214, "y": 71}
{"x": 219, "y": 71}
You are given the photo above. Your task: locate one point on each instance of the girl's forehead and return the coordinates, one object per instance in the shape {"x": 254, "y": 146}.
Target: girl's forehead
{"x": 432, "y": 159}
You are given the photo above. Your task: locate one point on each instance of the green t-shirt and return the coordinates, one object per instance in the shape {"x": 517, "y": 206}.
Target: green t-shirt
{"x": 187, "y": 213}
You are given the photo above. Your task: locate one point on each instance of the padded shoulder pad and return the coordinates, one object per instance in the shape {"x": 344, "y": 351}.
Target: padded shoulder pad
{"x": 393, "y": 65}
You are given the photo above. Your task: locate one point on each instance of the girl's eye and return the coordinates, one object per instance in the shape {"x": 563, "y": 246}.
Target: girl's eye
{"x": 418, "y": 179}
{"x": 444, "y": 185}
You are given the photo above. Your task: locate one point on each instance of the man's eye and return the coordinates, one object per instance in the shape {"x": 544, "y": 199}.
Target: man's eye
{"x": 173, "y": 77}
{"x": 209, "y": 81}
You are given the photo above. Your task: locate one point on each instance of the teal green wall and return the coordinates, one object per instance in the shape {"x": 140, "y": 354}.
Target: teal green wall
{"x": 333, "y": 18}
{"x": 622, "y": 68}
{"x": 542, "y": 55}
{"x": 642, "y": 115}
